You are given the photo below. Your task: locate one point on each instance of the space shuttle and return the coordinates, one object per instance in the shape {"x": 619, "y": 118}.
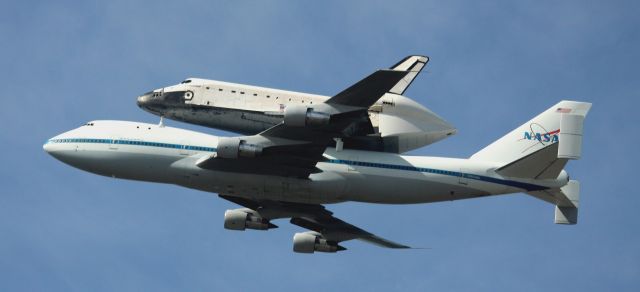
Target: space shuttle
{"x": 395, "y": 123}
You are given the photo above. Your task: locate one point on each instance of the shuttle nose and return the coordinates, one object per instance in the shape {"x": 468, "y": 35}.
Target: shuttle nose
{"x": 145, "y": 99}
{"x": 152, "y": 101}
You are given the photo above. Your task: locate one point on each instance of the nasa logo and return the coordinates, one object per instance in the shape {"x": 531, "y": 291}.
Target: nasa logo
{"x": 551, "y": 137}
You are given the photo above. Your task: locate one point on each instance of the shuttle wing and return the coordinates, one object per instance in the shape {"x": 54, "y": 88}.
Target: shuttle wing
{"x": 314, "y": 217}
{"x": 377, "y": 84}
{"x": 293, "y": 147}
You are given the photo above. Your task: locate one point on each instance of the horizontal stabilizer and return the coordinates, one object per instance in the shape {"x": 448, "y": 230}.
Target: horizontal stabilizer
{"x": 542, "y": 164}
{"x": 566, "y": 200}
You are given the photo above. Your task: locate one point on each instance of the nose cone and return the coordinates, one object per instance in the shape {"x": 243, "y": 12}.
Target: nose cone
{"x": 145, "y": 99}
{"x": 154, "y": 102}
{"x": 55, "y": 147}
{"x": 54, "y": 144}
{"x": 47, "y": 146}
{"x": 56, "y": 150}
{"x": 62, "y": 147}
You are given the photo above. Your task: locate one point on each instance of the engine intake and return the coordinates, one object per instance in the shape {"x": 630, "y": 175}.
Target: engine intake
{"x": 301, "y": 116}
{"x": 240, "y": 219}
{"x": 235, "y": 147}
{"x": 309, "y": 242}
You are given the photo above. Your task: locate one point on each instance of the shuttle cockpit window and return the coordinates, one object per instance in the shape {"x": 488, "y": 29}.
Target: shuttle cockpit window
{"x": 186, "y": 81}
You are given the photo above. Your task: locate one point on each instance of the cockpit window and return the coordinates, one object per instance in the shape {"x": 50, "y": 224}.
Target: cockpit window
{"x": 186, "y": 81}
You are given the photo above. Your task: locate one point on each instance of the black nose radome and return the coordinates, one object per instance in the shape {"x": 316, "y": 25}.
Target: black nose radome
{"x": 145, "y": 99}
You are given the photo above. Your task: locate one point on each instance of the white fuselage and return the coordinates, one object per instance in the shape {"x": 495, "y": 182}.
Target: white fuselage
{"x": 147, "y": 152}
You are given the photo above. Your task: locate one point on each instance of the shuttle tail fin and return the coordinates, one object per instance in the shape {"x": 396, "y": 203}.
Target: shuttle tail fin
{"x": 413, "y": 64}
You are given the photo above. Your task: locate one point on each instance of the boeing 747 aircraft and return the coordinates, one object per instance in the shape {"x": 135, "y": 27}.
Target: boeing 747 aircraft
{"x": 289, "y": 171}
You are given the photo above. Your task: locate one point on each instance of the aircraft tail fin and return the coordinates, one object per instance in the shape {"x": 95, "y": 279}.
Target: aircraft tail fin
{"x": 540, "y": 148}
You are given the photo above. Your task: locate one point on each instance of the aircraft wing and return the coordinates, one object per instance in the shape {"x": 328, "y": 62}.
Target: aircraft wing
{"x": 293, "y": 147}
{"x": 314, "y": 217}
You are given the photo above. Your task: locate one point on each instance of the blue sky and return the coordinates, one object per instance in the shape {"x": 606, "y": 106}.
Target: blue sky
{"x": 494, "y": 64}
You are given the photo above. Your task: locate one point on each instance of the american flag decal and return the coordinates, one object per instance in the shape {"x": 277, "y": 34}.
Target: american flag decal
{"x": 563, "y": 110}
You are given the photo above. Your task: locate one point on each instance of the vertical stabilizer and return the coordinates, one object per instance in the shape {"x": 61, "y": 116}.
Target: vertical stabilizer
{"x": 562, "y": 124}
{"x": 412, "y": 64}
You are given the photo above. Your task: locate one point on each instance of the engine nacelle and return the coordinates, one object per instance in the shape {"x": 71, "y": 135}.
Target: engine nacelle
{"x": 302, "y": 116}
{"x": 239, "y": 219}
{"x": 308, "y": 242}
{"x": 235, "y": 147}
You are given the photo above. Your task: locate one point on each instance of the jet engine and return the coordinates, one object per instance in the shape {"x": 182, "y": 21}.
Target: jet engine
{"x": 241, "y": 219}
{"x": 235, "y": 147}
{"x": 302, "y": 116}
{"x": 308, "y": 242}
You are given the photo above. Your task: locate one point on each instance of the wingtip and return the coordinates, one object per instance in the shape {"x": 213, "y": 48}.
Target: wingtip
{"x": 400, "y": 65}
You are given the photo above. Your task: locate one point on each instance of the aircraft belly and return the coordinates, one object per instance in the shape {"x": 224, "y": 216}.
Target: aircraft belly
{"x": 318, "y": 189}
{"x": 325, "y": 189}
{"x": 407, "y": 189}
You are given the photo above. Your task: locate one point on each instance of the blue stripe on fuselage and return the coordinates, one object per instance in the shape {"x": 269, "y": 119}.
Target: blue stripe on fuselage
{"x": 516, "y": 184}
{"x": 526, "y": 186}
